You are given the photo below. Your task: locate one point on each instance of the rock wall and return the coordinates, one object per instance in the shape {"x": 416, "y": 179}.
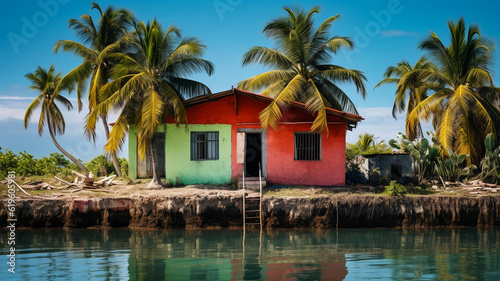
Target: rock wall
{"x": 284, "y": 212}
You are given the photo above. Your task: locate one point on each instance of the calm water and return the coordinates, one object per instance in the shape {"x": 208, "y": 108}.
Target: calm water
{"x": 368, "y": 254}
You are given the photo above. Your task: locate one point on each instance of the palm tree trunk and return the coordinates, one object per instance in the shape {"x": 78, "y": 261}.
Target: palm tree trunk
{"x": 113, "y": 155}
{"x": 67, "y": 154}
{"x": 156, "y": 181}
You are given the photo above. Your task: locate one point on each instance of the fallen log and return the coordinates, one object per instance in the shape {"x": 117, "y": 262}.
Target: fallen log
{"x": 39, "y": 186}
{"x": 33, "y": 182}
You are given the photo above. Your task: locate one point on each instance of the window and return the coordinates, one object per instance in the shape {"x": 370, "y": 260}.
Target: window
{"x": 307, "y": 146}
{"x": 204, "y": 146}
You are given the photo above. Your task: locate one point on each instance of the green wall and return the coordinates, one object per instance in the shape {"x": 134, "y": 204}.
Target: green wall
{"x": 178, "y": 165}
{"x": 180, "y": 168}
{"x": 132, "y": 152}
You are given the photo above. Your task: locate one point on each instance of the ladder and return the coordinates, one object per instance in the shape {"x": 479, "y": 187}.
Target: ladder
{"x": 252, "y": 205}
{"x": 252, "y": 216}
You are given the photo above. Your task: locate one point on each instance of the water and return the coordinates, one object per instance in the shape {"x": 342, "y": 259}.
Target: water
{"x": 366, "y": 254}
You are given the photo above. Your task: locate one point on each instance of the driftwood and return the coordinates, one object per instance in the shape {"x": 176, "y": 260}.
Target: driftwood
{"x": 20, "y": 188}
{"x": 33, "y": 182}
{"x": 78, "y": 174}
{"x": 63, "y": 181}
{"x": 81, "y": 180}
{"x": 107, "y": 180}
{"x": 42, "y": 185}
{"x": 68, "y": 186}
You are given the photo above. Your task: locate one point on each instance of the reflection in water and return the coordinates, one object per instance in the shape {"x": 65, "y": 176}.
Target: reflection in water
{"x": 123, "y": 254}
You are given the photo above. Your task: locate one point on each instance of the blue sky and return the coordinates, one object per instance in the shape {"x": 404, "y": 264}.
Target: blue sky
{"x": 385, "y": 32}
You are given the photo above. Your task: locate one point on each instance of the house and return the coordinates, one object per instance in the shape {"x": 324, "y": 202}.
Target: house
{"x": 224, "y": 139}
{"x": 396, "y": 166}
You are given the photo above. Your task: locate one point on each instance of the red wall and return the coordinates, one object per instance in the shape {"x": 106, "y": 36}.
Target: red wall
{"x": 282, "y": 169}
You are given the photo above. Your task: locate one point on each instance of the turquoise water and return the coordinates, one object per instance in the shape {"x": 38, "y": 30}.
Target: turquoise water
{"x": 366, "y": 254}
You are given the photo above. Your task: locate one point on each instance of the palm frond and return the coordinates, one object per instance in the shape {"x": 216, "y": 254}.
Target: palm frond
{"x": 272, "y": 113}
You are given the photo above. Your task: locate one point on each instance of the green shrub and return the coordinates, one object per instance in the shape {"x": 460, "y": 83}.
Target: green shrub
{"x": 100, "y": 166}
{"x": 234, "y": 183}
{"x": 8, "y": 162}
{"x": 124, "y": 167}
{"x": 454, "y": 168}
{"x": 53, "y": 165}
{"x": 26, "y": 165}
{"x": 396, "y": 189}
{"x": 490, "y": 165}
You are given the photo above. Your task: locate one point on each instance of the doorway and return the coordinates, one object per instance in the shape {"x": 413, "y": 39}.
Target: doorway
{"x": 145, "y": 167}
{"x": 396, "y": 172}
{"x": 253, "y": 154}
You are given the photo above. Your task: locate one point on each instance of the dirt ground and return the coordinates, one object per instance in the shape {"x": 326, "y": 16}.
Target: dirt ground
{"x": 123, "y": 188}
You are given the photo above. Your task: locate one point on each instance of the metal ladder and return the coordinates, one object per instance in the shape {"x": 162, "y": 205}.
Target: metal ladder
{"x": 252, "y": 206}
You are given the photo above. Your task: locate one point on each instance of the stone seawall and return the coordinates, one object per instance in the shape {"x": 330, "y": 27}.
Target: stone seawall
{"x": 283, "y": 212}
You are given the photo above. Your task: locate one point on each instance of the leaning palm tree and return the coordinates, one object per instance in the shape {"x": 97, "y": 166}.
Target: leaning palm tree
{"x": 99, "y": 41}
{"x": 149, "y": 85}
{"x": 412, "y": 85}
{"x": 301, "y": 69}
{"x": 464, "y": 92}
{"x": 45, "y": 82}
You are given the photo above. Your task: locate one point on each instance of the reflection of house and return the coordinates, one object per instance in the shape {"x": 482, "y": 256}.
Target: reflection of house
{"x": 283, "y": 270}
{"x": 390, "y": 166}
{"x": 224, "y": 139}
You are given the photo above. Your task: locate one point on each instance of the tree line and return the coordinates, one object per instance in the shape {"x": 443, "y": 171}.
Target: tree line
{"x": 25, "y": 164}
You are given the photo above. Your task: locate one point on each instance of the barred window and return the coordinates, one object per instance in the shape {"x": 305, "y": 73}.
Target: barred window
{"x": 204, "y": 146}
{"x": 307, "y": 146}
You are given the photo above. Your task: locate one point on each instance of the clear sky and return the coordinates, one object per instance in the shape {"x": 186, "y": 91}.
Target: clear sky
{"x": 385, "y": 33}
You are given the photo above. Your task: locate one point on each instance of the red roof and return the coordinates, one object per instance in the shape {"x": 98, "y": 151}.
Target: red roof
{"x": 351, "y": 118}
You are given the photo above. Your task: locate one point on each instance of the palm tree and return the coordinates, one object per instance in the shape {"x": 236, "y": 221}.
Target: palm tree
{"x": 412, "y": 85}
{"x": 99, "y": 41}
{"x": 365, "y": 141}
{"x": 149, "y": 85}
{"x": 302, "y": 70}
{"x": 46, "y": 82}
{"x": 462, "y": 102}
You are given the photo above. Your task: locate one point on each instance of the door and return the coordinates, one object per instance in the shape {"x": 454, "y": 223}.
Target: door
{"x": 145, "y": 167}
{"x": 253, "y": 154}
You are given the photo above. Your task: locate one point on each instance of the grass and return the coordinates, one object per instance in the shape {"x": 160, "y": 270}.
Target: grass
{"x": 308, "y": 191}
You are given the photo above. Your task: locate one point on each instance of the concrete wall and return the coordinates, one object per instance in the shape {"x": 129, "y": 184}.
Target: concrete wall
{"x": 284, "y": 170}
{"x": 179, "y": 167}
{"x": 384, "y": 162}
